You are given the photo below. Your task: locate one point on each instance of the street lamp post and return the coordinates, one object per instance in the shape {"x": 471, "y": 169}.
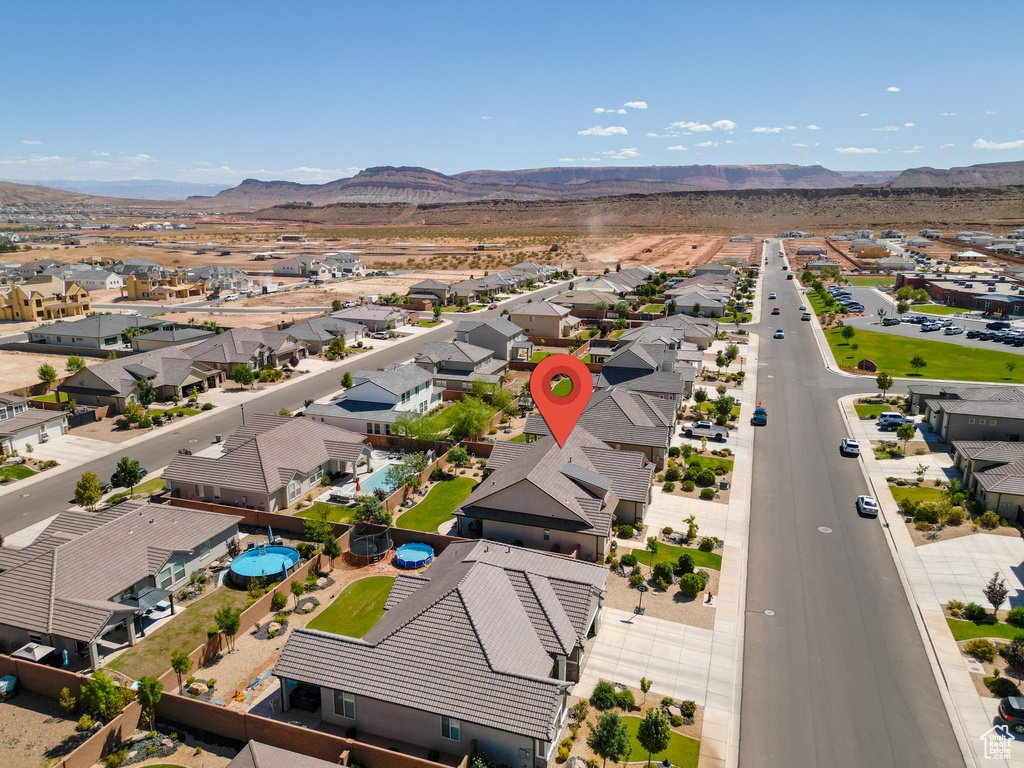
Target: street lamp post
{"x": 639, "y": 610}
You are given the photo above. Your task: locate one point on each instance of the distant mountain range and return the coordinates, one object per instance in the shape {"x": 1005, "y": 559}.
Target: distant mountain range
{"x": 421, "y": 186}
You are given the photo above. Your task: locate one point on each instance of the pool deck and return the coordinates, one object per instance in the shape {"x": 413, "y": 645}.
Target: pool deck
{"x": 379, "y": 463}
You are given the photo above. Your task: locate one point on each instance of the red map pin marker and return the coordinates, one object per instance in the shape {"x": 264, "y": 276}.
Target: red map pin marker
{"x": 561, "y": 413}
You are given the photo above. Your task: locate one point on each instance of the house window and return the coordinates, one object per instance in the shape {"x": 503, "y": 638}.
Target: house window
{"x": 165, "y": 578}
{"x": 369, "y": 428}
{"x": 981, "y": 421}
{"x": 345, "y": 704}
{"x": 970, "y": 421}
{"x": 179, "y": 570}
{"x": 450, "y": 728}
{"x": 294, "y": 489}
{"x": 547, "y": 535}
{"x": 992, "y": 423}
{"x": 204, "y": 550}
{"x": 315, "y": 477}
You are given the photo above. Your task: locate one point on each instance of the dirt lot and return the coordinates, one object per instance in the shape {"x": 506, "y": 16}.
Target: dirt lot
{"x": 18, "y": 369}
{"x": 34, "y": 729}
{"x": 239, "y": 319}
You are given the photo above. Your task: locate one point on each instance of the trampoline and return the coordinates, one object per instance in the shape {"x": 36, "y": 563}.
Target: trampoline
{"x": 368, "y": 544}
{"x": 263, "y": 563}
{"x": 414, "y": 555}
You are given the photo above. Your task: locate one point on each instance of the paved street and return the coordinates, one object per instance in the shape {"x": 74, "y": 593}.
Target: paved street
{"x": 834, "y": 670}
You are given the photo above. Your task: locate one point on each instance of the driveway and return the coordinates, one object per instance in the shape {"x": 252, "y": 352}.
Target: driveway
{"x": 958, "y": 569}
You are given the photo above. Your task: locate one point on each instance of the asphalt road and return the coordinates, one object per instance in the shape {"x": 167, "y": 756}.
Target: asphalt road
{"x": 837, "y": 675}
{"x": 46, "y": 498}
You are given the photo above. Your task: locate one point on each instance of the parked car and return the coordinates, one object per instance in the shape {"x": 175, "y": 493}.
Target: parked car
{"x": 780, "y": 334}
{"x": 997, "y": 325}
{"x": 349, "y": 304}
{"x": 1011, "y": 713}
{"x": 953, "y": 330}
{"x": 115, "y": 479}
{"x": 925, "y": 327}
{"x": 776, "y": 311}
{"x": 806, "y": 316}
{"x": 945, "y": 322}
{"x": 760, "y": 417}
{"x": 705, "y": 429}
{"x": 850, "y": 446}
{"x": 890, "y": 321}
{"x": 382, "y": 335}
{"x": 771, "y": 295}
{"x": 867, "y": 505}
{"x": 803, "y": 307}
{"x": 973, "y": 333}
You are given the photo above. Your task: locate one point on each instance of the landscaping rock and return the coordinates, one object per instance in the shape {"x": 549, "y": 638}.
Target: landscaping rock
{"x": 198, "y": 689}
{"x": 274, "y": 627}
{"x": 321, "y": 583}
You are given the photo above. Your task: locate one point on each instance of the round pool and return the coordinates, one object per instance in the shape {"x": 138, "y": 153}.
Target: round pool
{"x": 263, "y": 563}
{"x": 414, "y": 555}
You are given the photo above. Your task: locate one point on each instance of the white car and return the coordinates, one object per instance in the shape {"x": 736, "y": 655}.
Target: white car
{"x": 953, "y": 330}
{"x": 231, "y": 297}
{"x": 867, "y": 505}
{"x": 380, "y": 335}
{"x": 771, "y": 295}
{"x": 349, "y": 304}
{"x": 803, "y": 307}
{"x": 850, "y": 446}
{"x": 780, "y": 334}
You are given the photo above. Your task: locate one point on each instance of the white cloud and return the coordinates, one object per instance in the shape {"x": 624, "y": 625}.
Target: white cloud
{"x": 908, "y": 125}
{"x": 813, "y": 128}
{"x": 708, "y": 144}
{"x": 100, "y": 154}
{"x": 201, "y": 162}
{"x": 599, "y": 110}
{"x": 486, "y": 117}
{"x": 799, "y": 145}
{"x": 863, "y": 114}
{"x": 37, "y": 160}
{"x": 636, "y": 104}
{"x": 723, "y": 125}
{"x": 985, "y": 144}
{"x": 597, "y": 130}
{"x": 856, "y": 151}
{"x": 914, "y": 150}
{"x": 602, "y": 110}
{"x": 678, "y": 148}
{"x": 30, "y": 141}
{"x": 893, "y": 89}
{"x": 945, "y": 146}
{"x": 692, "y": 127}
{"x": 949, "y": 114}
{"x": 624, "y": 154}
{"x": 763, "y": 129}
{"x": 887, "y": 128}
{"x": 654, "y": 135}
{"x": 990, "y": 112}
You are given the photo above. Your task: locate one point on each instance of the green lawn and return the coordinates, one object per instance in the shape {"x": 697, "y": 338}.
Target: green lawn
{"x": 153, "y": 485}
{"x": 667, "y": 553}
{"x": 16, "y": 472}
{"x": 872, "y": 281}
{"x": 520, "y": 438}
{"x": 354, "y": 612}
{"x": 892, "y": 354}
{"x": 177, "y": 411}
{"x": 914, "y": 493}
{"x": 563, "y": 387}
{"x": 712, "y": 462}
{"x": 654, "y": 309}
{"x": 682, "y": 751}
{"x": 938, "y": 309}
{"x": 619, "y": 332}
{"x": 586, "y": 359}
{"x": 708, "y": 407}
{"x": 968, "y": 630}
{"x": 151, "y": 657}
{"x": 446, "y": 416}
{"x": 818, "y": 304}
{"x": 336, "y": 513}
{"x": 429, "y": 323}
{"x": 438, "y": 507}
{"x": 51, "y": 397}
{"x": 872, "y": 410}
{"x": 536, "y": 357}
{"x": 744, "y": 318}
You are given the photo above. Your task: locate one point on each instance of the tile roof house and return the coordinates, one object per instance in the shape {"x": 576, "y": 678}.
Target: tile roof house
{"x": 377, "y": 399}
{"x": 478, "y": 651}
{"x": 22, "y": 426}
{"x": 44, "y": 297}
{"x": 318, "y": 333}
{"x": 89, "y": 574}
{"x": 256, "y": 754}
{"x": 375, "y": 318}
{"x": 671, "y": 330}
{"x": 624, "y": 420}
{"x": 254, "y": 347}
{"x": 989, "y": 419}
{"x": 456, "y": 365}
{"x": 544, "y": 319}
{"x": 115, "y": 382}
{"x": 499, "y": 335}
{"x": 98, "y": 331}
{"x": 99, "y": 280}
{"x": 920, "y": 393}
{"x": 587, "y": 299}
{"x": 437, "y": 291}
{"x": 649, "y": 368}
{"x": 268, "y": 463}
{"x": 995, "y": 471}
{"x": 546, "y": 497}
{"x": 176, "y": 337}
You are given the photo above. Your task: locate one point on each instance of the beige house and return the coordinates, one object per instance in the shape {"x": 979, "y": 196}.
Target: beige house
{"x": 544, "y": 319}
{"x": 995, "y": 470}
{"x": 161, "y": 287}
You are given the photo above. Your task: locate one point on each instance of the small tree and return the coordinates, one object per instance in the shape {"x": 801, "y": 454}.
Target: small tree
{"x": 278, "y": 601}
{"x": 336, "y": 305}
{"x": 149, "y": 691}
{"x": 181, "y": 664}
{"x": 317, "y": 527}
{"x": 645, "y": 687}
{"x": 458, "y": 456}
{"x": 653, "y": 733}
{"x": 902, "y": 307}
{"x": 884, "y": 382}
{"x": 228, "y": 620}
{"x": 905, "y": 432}
{"x": 47, "y": 374}
{"x": 243, "y": 375}
{"x": 346, "y": 380}
{"x": 332, "y": 549}
{"x": 848, "y": 332}
{"x": 74, "y": 364}
{"x": 917, "y": 363}
{"x": 652, "y": 546}
{"x": 881, "y": 314}
{"x": 147, "y": 392}
{"x": 297, "y": 588}
{"x": 1011, "y": 366}
{"x": 995, "y": 591}
{"x": 88, "y": 491}
{"x": 104, "y": 699}
{"x": 129, "y": 472}
{"x": 700, "y": 395}
{"x": 610, "y": 739}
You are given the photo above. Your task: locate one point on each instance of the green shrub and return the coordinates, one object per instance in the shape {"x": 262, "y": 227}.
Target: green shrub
{"x": 927, "y": 513}
{"x": 663, "y": 571}
{"x": 565, "y": 743}
{"x": 989, "y": 520}
{"x": 636, "y": 578}
{"x": 666, "y": 531}
{"x": 974, "y": 612}
{"x": 685, "y": 565}
{"x": 707, "y": 493}
{"x": 661, "y": 585}
{"x": 628, "y": 561}
{"x": 579, "y": 712}
{"x": 116, "y": 759}
{"x": 85, "y": 723}
{"x": 563, "y": 754}
{"x": 707, "y": 543}
{"x": 677, "y": 721}
{"x": 690, "y": 585}
{"x": 1001, "y": 687}
{"x": 981, "y": 649}
{"x": 207, "y": 407}
{"x": 667, "y": 701}
{"x": 1015, "y": 617}
{"x": 955, "y": 608}
{"x": 705, "y": 477}
{"x": 673, "y": 452}
{"x": 672, "y": 474}
{"x": 625, "y": 700}
{"x": 955, "y": 517}
{"x": 603, "y": 696}
{"x": 668, "y": 487}
{"x": 278, "y": 601}
{"x": 922, "y": 526}
{"x": 687, "y": 485}
{"x": 688, "y": 708}
{"x": 625, "y": 532}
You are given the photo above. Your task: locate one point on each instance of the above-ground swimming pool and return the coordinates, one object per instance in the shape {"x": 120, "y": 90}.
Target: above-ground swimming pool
{"x": 263, "y": 563}
{"x": 414, "y": 555}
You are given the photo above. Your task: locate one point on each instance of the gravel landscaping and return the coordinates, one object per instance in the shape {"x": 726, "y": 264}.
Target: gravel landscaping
{"x": 670, "y": 605}
{"x": 34, "y": 729}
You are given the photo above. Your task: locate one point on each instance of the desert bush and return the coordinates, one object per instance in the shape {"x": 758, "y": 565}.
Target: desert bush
{"x": 922, "y": 526}
{"x": 688, "y": 708}
{"x": 989, "y": 520}
{"x": 636, "y": 578}
{"x": 980, "y": 649}
{"x": 927, "y": 513}
{"x": 1015, "y": 617}
{"x": 690, "y": 585}
{"x": 955, "y": 608}
{"x": 677, "y": 721}
{"x": 707, "y": 493}
{"x": 603, "y": 696}
{"x": 668, "y": 487}
{"x": 685, "y": 564}
{"x": 687, "y": 485}
{"x": 85, "y": 723}
{"x": 625, "y": 700}
{"x": 974, "y": 612}
{"x": 1001, "y": 687}
{"x": 708, "y": 543}
{"x": 674, "y": 452}
{"x": 628, "y": 561}
{"x": 625, "y": 532}
{"x": 955, "y": 516}
{"x": 672, "y": 474}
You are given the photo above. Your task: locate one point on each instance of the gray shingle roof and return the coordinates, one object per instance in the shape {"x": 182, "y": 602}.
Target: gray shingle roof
{"x": 987, "y": 450}
{"x": 617, "y": 415}
{"x": 452, "y": 351}
{"x": 660, "y": 382}
{"x": 31, "y": 418}
{"x": 97, "y": 326}
{"x": 396, "y": 380}
{"x": 983, "y": 408}
{"x": 179, "y": 335}
{"x": 241, "y": 346}
{"x": 172, "y": 365}
{"x": 323, "y": 329}
{"x": 465, "y": 643}
{"x": 264, "y": 454}
{"x": 1003, "y": 478}
{"x": 540, "y": 309}
{"x": 258, "y": 755}
{"x": 62, "y": 583}
{"x": 502, "y": 325}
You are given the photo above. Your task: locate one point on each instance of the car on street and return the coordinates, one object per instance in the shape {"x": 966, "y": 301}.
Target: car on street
{"x": 780, "y": 334}
{"x": 771, "y": 295}
{"x": 231, "y": 297}
{"x": 760, "y": 417}
{"x": 803, "y": 307}
{"x": 805, "y": 316}
{"x": 850, "y": 446}
{"x": 776, "y": 311}
{"x": 997, "y": 325}
{"x": 349, "y": 304}
{"x": 115, "y": 479}
{"x": 492, "y": 306}
{"x": 1011, "y": 713}
{"x": 953, "y": 330}
{"x": 867, "y": 505}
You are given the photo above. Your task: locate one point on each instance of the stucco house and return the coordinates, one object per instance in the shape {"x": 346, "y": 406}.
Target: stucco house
{"x": 456, "y": 365}
{"x": 268, "y": 463}
{"x": 98, "y": 331}
{"x": 500, "y": 336}
{"x": 318, "y": 333}
{"x": 252, "y": 347}
{"x": 652, "y": 369}
{"x": 995, "y": 471}
{"x": 558, "y": 498}
{"x": 477, "y": 652}
{"x": 22, "y": 426}
{"x": 44, "y": 297}
{"x": 544, "y": 319}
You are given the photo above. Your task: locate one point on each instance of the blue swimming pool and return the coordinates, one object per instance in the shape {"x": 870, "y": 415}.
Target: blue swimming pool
{"x": 414, "y": 555}
{"x": 378, "y": 480}
{"x": 263, "y": 563}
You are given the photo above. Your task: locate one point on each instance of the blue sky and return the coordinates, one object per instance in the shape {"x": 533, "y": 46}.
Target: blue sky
{"x": 219, "y": 91}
